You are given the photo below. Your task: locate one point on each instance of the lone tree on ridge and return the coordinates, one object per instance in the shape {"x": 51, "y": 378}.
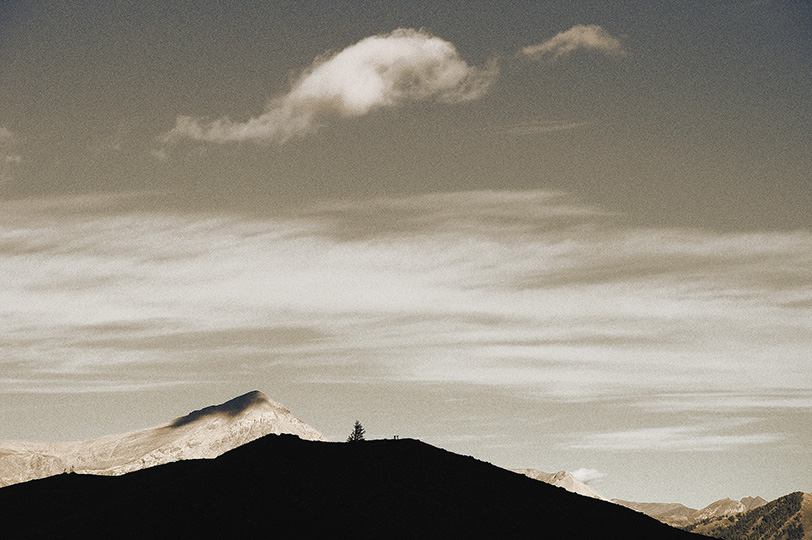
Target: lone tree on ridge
{"x": 357, "y": 433}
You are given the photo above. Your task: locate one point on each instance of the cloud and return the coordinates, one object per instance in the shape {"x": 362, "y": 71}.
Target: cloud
{"x": 380, "y": 71}
{"x": 727, "y": 402}
{"x": 702, "y": 438}
{"x": 535, "y": 127}
{"x": 10, "y": 157}
{"x": 580, "y": 37}
{"x": 588, "y": 476}
{"x": 528, "y": 291}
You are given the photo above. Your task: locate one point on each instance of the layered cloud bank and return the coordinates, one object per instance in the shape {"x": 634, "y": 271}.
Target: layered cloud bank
{"x": 377, "y": 72}
{"x": 525, "y": 289}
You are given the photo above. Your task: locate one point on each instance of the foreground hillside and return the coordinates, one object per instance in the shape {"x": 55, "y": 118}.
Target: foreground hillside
{"x": 284, "y": 486}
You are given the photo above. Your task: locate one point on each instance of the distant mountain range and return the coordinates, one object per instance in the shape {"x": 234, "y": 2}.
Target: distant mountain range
{"x": 786, "y": 518}
{"x": 258, "y": 477}
{"x": 674, "y": 514}
{"x": 205, "y": 433}
{"x": 752, "y": 518}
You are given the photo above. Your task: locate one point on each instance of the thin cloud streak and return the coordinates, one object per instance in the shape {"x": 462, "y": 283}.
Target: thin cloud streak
{"x": 380, "y": 71}
{"x": 58, "y": 385}
{"x": 727, "y": 402}
{"x": 701, "y": 438}
{"x": 539, "y": 127}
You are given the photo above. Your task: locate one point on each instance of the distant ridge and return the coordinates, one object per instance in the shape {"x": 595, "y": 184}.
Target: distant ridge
{"x": 204, "y": 433}
{"x": 675, "y": 514}
{"x": 786, "y": 518}
{"x": 678, "y": 515}
{"x": 285, "y": 487}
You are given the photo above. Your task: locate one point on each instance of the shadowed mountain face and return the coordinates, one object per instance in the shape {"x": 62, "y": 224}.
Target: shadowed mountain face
{"x": 231, "y": 408}
{"x": 286, "y": 487}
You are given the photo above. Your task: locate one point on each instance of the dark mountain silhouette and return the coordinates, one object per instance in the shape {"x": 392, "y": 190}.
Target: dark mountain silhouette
{"x": 287, "y": 487}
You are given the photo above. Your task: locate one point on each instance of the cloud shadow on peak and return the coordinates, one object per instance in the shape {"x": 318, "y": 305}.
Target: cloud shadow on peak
{"x": 231, "y": 408}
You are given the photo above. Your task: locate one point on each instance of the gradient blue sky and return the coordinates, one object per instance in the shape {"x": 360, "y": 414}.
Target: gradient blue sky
{"x": 547, "y": 234}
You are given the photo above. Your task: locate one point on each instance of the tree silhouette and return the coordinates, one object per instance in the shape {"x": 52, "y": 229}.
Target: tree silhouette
{"x": 357, "y": 433}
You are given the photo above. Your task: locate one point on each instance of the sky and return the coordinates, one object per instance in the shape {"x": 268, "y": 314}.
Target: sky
{"x": 550, "y": 235}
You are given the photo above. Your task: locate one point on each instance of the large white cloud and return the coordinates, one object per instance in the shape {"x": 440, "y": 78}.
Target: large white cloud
{"x": 379, "y": 71}
{"x": 581, "y": 36}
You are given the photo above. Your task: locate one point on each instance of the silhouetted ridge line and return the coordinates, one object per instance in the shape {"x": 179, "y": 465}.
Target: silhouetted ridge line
{"x": 286, "y": 487}
{"x": 232, "y": 407}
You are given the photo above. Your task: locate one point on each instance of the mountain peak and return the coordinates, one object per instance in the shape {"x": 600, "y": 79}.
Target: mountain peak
{"x": 201, "y": 434}
{"x": 232, "y": 407}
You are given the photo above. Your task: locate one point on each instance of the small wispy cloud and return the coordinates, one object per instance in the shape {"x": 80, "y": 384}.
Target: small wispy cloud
{"x": 589, "y": 37}
{"x": 380, "y": 71}
{"x": 588, "y": 476}
{"x": 699, "y": 438}
{"x": 10, "y": 156}
{"x": 159, "y": 154}
{"x": 535, "y": 127}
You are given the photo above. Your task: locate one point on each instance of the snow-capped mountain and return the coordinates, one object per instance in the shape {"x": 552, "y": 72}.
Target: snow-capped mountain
{"x": 562, "y": 479}
{"x": 205, "y": 433}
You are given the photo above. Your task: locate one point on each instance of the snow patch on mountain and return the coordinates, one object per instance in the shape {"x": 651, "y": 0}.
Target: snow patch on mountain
{"x": 205, "y": 433}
